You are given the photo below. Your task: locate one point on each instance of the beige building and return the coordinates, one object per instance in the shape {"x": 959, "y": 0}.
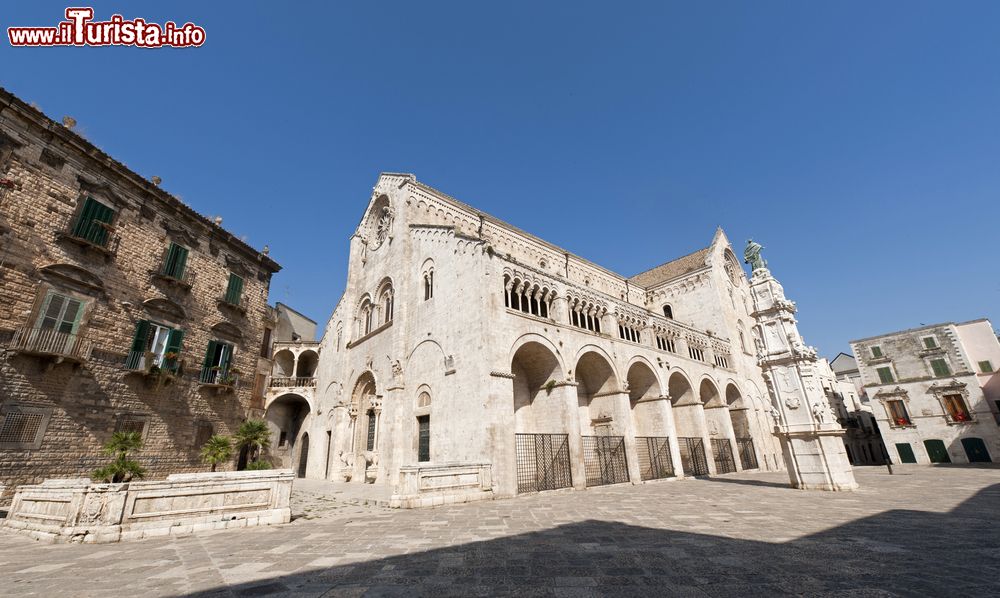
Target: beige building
{"x": 935, "y": 392}
{"x": 842, "y": 384}
{"x": 121, "y": 309}
{"x": 465, "y": 352}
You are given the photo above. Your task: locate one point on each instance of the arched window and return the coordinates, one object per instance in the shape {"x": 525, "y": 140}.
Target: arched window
{"x": 365, "y": 317}
{"x": 743, "y": 342}
{"x": 429, "y": 285}
{"x": 584, "y": 314}
{"x": 424, "y": 400}
{"x": 526, "y": 297}
{"x": 371, "y": 430}
{"x": 387, "y": 306}
{"x": 668, "y": 312}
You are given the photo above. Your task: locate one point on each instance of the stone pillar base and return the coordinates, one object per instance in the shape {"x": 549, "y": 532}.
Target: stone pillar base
{"x": 816, "y": 459}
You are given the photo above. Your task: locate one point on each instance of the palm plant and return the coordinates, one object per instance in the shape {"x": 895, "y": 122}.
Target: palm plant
{"x": 218, "y": 449}
{"x": 254, "y": 436}
{"x": 121, "y": 469}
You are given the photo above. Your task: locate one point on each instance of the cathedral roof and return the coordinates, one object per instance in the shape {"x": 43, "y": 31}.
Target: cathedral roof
{"x": 672, "y": 269}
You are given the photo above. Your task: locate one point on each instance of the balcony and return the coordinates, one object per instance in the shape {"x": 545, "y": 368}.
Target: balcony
{"x": 236, "y": 304}
{"x": 156, "y": 369}
{"x": 96, "y": 236}
{"x": 48, "y": 342}
{"x": 221, "y": 379}
{"x": 292, "y": 382}
{"x": 183, "y": 281}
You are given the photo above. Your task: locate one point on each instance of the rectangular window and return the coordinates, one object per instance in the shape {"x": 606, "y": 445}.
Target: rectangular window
{"x": 985, "y": 367}
{"x": 60, "y": 313}
{"x": 930, "y": 342}
{"x": 154, "y": 344}
{"x": 22, "y": 426}
{"x": 176, "y": 262}
{"x": 876, "y": 351}
{"x": 265, "y": 346}
{"x": 955, "y": 406}
{"x": 696, "y": 353}
{"x": 940, "y": 368}
{"x": 897, "y": 413}
{"x": 424, "y": 438}
{"x": 234, "y": 290}
{"x": 371, "y": 431}
{"x": 215, "y": 367}
{"x": 885, "y": 375}
{"x": 94, "y": 222}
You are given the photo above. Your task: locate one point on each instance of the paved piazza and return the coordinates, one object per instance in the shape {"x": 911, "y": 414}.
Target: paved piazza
{"x": 924, "y": 531}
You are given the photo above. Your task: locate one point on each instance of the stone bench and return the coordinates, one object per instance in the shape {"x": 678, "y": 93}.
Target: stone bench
{"x": 433, "y": 484}
{"x": 78, "y": 510}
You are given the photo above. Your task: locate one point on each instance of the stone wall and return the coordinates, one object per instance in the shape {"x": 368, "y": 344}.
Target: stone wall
{"x": 50, "y": 172}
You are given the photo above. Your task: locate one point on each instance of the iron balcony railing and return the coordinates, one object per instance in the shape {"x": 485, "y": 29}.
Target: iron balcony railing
{"x": 292, "y": 381}
{"x": 48, "y": 341}
{"x": 216, "y": 376}
{"x": 144, "y": 360}
{"x": 237, "y": 303}
{"x": 97, "y": 234}
{"x": 183, "y": 279}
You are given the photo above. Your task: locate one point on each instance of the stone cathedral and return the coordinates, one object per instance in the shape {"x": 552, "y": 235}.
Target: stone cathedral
{"x": 468, "y": 359}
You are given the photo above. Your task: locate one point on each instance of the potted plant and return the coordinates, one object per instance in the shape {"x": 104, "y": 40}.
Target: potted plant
{"x": 122, "y": 468}
{"x": 218, "y": 449}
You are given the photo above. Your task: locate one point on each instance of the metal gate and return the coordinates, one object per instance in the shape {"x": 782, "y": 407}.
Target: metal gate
{"x": 723, "y": 452}
{"x": 654, "y": 457}
{"x": 604, "y": 460}
{"x": 748, "y": 457}
{"x": 542, "y": 462}
{"x": 693, "y": 456}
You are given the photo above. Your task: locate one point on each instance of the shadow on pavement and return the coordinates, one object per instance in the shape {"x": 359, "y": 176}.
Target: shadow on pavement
{"x": 896, "y": 553}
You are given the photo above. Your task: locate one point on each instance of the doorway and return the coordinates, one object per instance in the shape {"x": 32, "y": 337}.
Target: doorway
{"x": 936, "y": 451}
{"x": 975, "y": 450}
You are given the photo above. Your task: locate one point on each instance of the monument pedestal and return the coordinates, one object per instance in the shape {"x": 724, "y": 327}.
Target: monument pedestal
{"x": 816, "y": 459}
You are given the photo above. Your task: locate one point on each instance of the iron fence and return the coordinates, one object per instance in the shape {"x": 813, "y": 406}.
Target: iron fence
{"x": 722, "y": 450}
{"x": 748, "y": 456}
{"x": 604, "y": 460}
{"x": 693, "y": 456}
{"x": 542, "y": 462}
{"x": 654, "y": 457}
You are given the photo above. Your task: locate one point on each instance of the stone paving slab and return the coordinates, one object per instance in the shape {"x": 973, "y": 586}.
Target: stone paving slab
{"x": 923, "y": 532}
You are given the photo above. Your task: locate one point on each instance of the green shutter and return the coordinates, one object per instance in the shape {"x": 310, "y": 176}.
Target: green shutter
{"x": 225, "y": 356}
{"x": 176, "y": 261}
{"x": 93, "y": 212}
{"x": 174, "y": 341}
{"x": 234, "y": 291}
{"x": 876, "y": 351}
{"x": 929, "y": 342}
{"x": 986, "y": 367}
{"x": 138, "y": 349}
{"x": 940, "y": 368}
{"x": 85, "y": 218}
{"x": 885, "y": 375}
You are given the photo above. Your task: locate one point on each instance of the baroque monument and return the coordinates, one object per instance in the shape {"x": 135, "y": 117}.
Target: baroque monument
{"x": 811, "y": 439}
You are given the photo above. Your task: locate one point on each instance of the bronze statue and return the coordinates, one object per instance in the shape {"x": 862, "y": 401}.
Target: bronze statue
{"x": 751, "y": 255}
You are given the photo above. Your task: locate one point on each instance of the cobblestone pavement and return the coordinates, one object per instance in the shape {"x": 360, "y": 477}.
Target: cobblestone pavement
{"x": 924, "y": 531}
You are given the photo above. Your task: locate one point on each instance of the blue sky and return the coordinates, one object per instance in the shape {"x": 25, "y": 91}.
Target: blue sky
{"x": 858, "y": 141}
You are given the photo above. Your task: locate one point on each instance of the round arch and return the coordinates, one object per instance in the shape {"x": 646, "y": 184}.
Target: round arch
{"x": 532, "y": 337}
{"x": 643, "y": 383}
{"x": 708, "y": 393}
{"x": 285, "y": 362}
{"x": 680, "y": 390}
{"x": 595, "y": 373}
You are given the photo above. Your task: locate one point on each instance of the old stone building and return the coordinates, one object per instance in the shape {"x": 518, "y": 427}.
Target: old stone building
{"x": 935, "y": 392}
{"x": 121, "y": 308}
{"x": 468, "y": 354}
{"x": 843, "y": 384}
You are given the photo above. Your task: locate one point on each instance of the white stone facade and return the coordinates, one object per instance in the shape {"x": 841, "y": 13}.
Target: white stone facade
{"x": 460, "y": 336}
{"x": 935, "y": 392}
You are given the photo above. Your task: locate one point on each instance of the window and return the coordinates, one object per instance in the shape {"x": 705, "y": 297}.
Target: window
{"x": 668, "y": 312}
{"x": 175, "y": 263}
{"x": 876, "y": 351}
{"x": 664, "y": 343}
{"x": 526, "y": 297}
{"x": 215, "y": 368}
{"x": 743, "y": 342}
{"x": 930, "y": 342}
{"x": 23, "y": 426}
{"x": 940, "y": 368}
{"x": 365, "y": 317}
{"x": 424, "y": 438}
{"x": 387, "y": 306}
{"x": 885, "y": 375}
{"x": 955, "y": 407}
{"x": 628, "y": 332}
{"x": 429, "y": 285}
{"x": 131, "y": 423}
{"x": 60, "y": 313}
{"x": 234, "y": 290}
{"x": 722, "y": 361}
{"x": 265, "y": 346}
{"x": 94, "y": 222}
{"x": 424, "y": 400}
{"x": 282, "y": 438}
{"x": 584, "y": 314}
{"x": 371, "y": 430}
{"x": 696, "y": 353}
{"x": 986, "y": 367}
{"x": 897, "y": 413}
{"x": 154, "y": 344}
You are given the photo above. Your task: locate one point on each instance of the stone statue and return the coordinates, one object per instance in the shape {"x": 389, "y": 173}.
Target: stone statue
{"x": 751, "y": 255}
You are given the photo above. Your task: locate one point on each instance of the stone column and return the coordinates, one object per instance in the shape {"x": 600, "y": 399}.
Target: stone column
{"x": 501, "y": 404}
{"x": 566, "y": 392}
{"x": 625, "y": 426}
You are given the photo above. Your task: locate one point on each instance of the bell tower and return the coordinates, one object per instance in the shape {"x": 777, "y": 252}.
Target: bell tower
{"x": 811, "y": 439}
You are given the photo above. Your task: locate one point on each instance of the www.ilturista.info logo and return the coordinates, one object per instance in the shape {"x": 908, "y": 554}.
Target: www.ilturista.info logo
{"x": 79, "y": 29}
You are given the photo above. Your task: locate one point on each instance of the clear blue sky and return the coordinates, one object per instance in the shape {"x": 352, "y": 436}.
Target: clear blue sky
{"x": 858, "y": 141}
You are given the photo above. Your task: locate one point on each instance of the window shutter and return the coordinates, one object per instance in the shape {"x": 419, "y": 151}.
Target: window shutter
{"x": 176, "y": 261}
{"x": 234, "y": 291}
{"x": 225, "y": 357}
{"x": 43, "y": 313}
{"x": 138, "y": 350}
{"x": 940, "y": 368}
{"x": 209, "y": 354}
{"x": 174, "y": 341}
{"x": 85, "y": 218}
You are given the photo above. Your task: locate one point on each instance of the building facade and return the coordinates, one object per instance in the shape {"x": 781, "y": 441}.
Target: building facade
{"x": 850, "y": 403}
{"x": 462, "y": 343}
{"x": 121, "y": 309}
{"x": 934, "y": 391}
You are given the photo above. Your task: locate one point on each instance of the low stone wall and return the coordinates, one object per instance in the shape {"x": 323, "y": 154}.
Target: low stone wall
{"x": 433, "y": 484}
{"x": 77, "y": 510}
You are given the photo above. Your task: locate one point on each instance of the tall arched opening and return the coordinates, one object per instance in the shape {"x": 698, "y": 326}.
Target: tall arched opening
{"x": 542, "y": 420}
{"x": 689, "y": 421}
{"x": 720, "y": 429}
{"x": 285, "y": 417}
{"x": 739, "y": 416}
{"x": 651, "y": 420}
{"x": 603, "y": 422}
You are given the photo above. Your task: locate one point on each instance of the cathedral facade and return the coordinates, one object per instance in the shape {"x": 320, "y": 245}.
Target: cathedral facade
{"x": 467, "y": 358}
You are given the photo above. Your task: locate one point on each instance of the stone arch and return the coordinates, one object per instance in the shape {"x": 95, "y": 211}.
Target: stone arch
{"x": 532, "y": 337}
{"x": 284, "y": 363}
{"x": 738, "y": 411}
{"x": 305, "y": 366}
{"x": 597, "y": 385}
{"x": 427, "y": 341}
{"x": 708, "y": 393}
{"x": 286, "y": 415}
{"x": 734, "y": 398}
{"x": 643, "y": 390}
{"x": 591, "y": 348}
{"x": 538, "y": 409}
{"x": 680, "y": 390}
{"x": 385, "y": 294}
{"x": 643, "y": 383}
{"x": 303, "y": 456}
